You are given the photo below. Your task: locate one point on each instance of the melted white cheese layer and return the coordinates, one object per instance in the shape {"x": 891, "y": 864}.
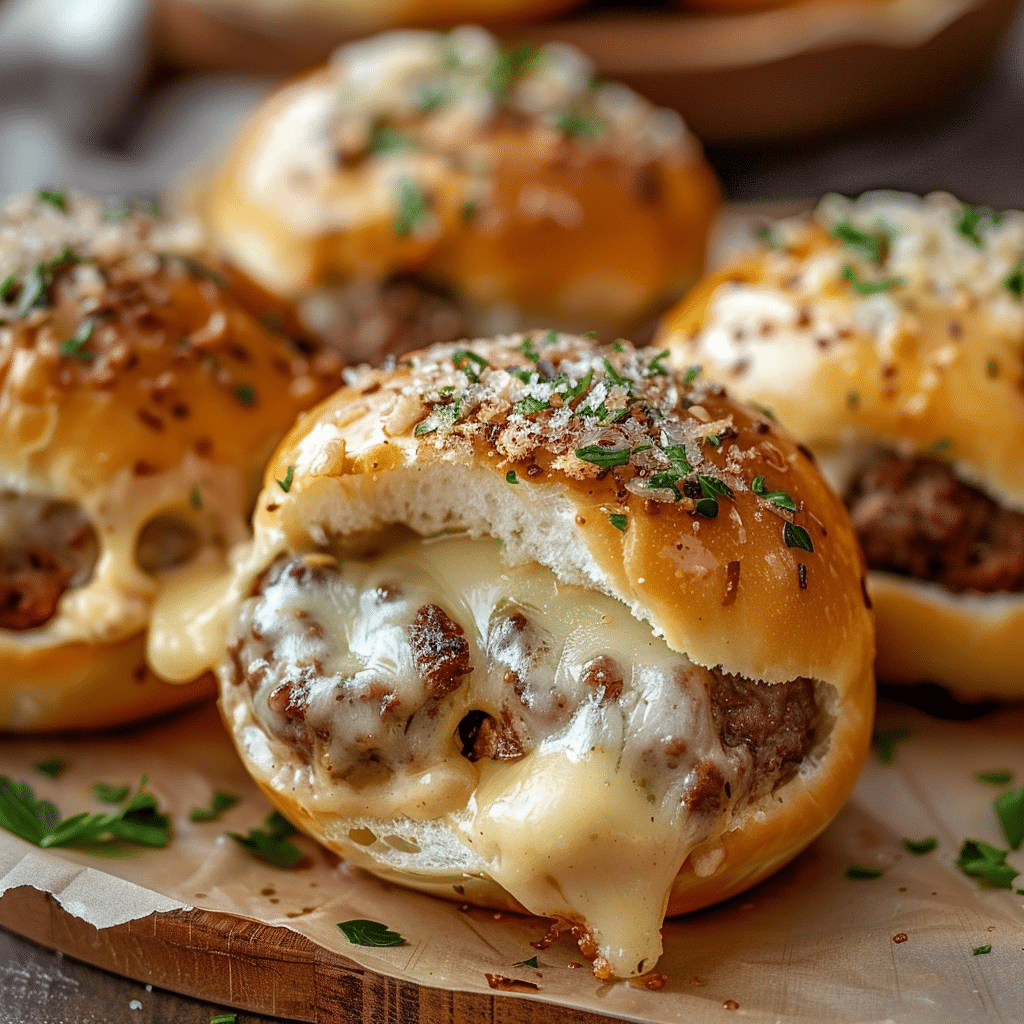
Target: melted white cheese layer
{"x": 584, "y": 814}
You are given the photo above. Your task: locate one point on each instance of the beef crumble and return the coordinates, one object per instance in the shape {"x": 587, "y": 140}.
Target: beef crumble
{"x": 46, "y": 547}
{"x": 915, "y": 518}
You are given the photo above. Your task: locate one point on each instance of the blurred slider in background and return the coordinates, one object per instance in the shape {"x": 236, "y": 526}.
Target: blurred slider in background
{"x": 126, "y": 96}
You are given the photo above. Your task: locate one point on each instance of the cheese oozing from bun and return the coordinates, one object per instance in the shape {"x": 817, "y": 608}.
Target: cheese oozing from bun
{"x": 543, "y": 625}
{"x": 887, "y": 333}
{"x": 138, "y": 403}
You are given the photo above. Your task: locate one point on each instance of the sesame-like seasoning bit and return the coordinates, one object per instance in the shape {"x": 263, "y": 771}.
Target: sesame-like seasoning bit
{"x": 801, "y": 574}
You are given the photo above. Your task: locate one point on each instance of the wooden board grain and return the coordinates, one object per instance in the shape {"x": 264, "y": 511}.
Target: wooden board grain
{"x": 247, "y": 965}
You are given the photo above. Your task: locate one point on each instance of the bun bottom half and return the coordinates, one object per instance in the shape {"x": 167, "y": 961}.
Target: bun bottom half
{"x": 87, "y": 686}
{"x": 969, "y": 643}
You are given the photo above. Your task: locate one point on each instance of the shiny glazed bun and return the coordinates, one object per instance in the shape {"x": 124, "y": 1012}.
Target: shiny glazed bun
{"x": 138, "y": 406}
{"x": 887, "y": 333}
{"x": 424, "y": 187}
{"x": 539, "y": 625}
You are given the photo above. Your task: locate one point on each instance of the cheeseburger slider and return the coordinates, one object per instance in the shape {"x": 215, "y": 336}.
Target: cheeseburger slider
{"x": 424, "y": 187}
{"x": 887, "y": 333}
{"x": 545, "y": 626}
{"x": 138, "y": 406}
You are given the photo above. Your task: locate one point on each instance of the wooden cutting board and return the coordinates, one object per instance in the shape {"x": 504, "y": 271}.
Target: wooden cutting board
{"x": 237, "y": 962}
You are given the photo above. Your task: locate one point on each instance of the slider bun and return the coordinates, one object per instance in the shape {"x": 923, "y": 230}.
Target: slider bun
{"x": 138, "y": 405}
{"x": 501, "y": 181}
{"x": 723, "y": 593}
{"x": 916, "y": 353}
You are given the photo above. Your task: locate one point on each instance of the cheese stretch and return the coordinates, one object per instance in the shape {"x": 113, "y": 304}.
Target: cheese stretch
{"x": 574, "y": 757}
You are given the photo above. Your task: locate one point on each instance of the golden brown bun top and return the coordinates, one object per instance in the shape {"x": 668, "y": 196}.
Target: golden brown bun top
{"x": 136, "y": 390}
{"x": 511, "y": 176}
{"x": 891, "y": 319}
{"x": 121, "y": 350}
{"x": 698, "y": 513}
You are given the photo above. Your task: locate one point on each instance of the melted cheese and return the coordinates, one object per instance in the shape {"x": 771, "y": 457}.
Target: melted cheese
{"x": 589, "y": 823}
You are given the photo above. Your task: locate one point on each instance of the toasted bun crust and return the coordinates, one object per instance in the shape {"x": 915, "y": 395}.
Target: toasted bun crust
{"x": 450, "y": 444}
{"x": 139, "y": 402}
{"x": 503, "y": 177}
{"x": 891, "y": 322}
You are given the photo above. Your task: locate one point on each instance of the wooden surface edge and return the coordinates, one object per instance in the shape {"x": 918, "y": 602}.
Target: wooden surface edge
{"x": 262, "y": 968}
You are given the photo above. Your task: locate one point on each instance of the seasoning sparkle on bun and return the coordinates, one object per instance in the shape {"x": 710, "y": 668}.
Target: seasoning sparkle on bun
{"x": 424, "y": 187}
{"x": 536, "y": 624}
{"x": 138, "y": 406}
{"x": 887, "y": 333}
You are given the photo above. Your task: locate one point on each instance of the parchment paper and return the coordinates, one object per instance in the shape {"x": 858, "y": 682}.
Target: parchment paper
{"x": 808, "y": 945}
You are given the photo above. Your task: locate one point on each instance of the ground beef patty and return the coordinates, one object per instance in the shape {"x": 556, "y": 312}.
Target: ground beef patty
{"x": 914, "y": 518}
{"x": 45, "y": 548}
{"x": 372, "y": 673}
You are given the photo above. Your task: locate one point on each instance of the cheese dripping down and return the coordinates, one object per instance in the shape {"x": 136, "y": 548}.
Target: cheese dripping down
{"x": 565, "y": 752}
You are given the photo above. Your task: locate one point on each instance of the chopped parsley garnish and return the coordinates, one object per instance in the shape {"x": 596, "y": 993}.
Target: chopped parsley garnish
{"x": 110, "y": 794}
{"x": 575, "y": 124}
{"x": 463, "y": 360}
{"x": 884, "y": 743}
{"x": 1015, "y": 282}
{"x": 270, "y": 844}
{"x": 981, "y": 950}
{"x": 796, "y": 537}
{"x": 973, "y": 219}
{"x": 9, "y": 289}
{"x": 921, "y": 846}
{"x": 469, "y": 210}
{"x": 289, "y": 479}
{"x": 35, "y": 287}
{"x": 942, "y": 444}
{"x": 531, "y": 962}
{"x": 526, "y": 347}
{"x": 197, "y": 269}
{"x": 530, "y": 405}
{"x": 386, "y": 138}
{"x": 872, "y": 245}
{"x": 713, "y": 487}
{"x": 862, "y": 287}
{"x": 224, "y": 1018}
{"x": 219, "y": 803}
{"x": 413, "y": 206}
{"x": 245, "y": 394}
{"x": 361, "y": 932}
{"x": 55, "y": 197}
{"x": 582, "y": 385}
{"x": 41, "y": 823}
{"x": 613, "y": 375}
{"x": 195, "y": 498}
{"x": 765, "y": 233}
{"x": 432, "y": 96}
{"x": 692, "y": 374}
{"x": 511, "y": 65}
{"x": 654, "y": 366}
{"x": 1010, "y": 811}
{"x": 853, "y": 399}
{"x": 778, "y": 498}
{"x": 511, "y": 478}
{"x": 981, "y": 860}
{"x": 74, "y": 347}
{"x": 52, "y": 766}
{"x": 992, "y": 368}
{"x": 1000, "y": 777}
{"x": 619, "y": 521}
{"x": 551, "y": 338}
{"x": 862, "y": 871}
{"x": 605, "y": 457}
